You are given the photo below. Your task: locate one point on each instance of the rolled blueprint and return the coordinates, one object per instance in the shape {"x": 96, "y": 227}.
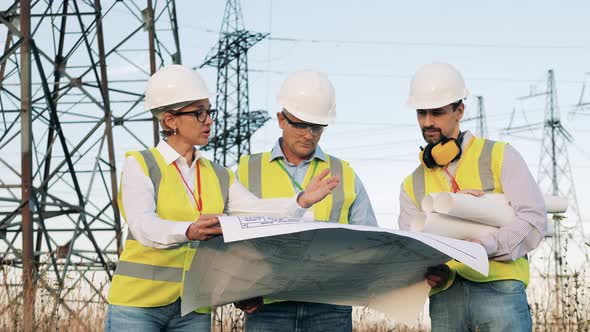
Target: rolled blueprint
{"x": 456, "y": 228}
{"x": 428, "y": 202}
{"x": 489, "y": 209}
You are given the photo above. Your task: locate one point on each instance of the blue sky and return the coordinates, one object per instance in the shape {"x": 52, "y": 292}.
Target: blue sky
{"x": 370, "y": 49}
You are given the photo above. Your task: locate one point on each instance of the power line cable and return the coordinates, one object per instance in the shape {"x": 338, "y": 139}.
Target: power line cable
{"x": 408, "y": 77}
{"x": 401, "y": 43}
{"x": 425, "y": 44}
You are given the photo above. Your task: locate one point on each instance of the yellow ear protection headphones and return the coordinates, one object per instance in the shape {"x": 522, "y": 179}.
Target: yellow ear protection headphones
{"x": 442, "y": 153}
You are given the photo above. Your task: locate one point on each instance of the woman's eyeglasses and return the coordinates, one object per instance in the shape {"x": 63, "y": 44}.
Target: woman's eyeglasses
{"x": 201, "y": 115}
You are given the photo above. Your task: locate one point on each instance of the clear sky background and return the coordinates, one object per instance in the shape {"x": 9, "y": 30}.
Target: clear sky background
{"x": 370, "y": 50}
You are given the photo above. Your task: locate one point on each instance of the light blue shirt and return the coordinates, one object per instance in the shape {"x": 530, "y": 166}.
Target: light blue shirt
{"x": 360, "y": 213}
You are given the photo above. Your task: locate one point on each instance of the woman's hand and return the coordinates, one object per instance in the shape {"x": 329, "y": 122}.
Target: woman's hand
{"x": 205, "y": 228}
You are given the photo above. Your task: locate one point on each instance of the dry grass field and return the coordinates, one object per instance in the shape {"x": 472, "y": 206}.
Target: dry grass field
{"x": 572, "y": 314}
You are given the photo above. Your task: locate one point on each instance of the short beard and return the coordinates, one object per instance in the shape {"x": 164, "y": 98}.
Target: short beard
{"x": 431, "y": 141}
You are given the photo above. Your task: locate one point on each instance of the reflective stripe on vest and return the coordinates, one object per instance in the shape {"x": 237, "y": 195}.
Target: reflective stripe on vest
{"x": 338, "y": 192}
{"x": 161, "y": 273}
{"x": 224, "y": 179}
{"x": 487, "y": 157}
{"x": 251, "y": 168}
{"x": 266, "y": 179}
{"x": 486, "y": 174}
{"x": 149, "y": 277}
{"x": 419, "y": 185}
{"x": 153, "y": 171}
{"x": 255, "y": 174}
{"x": 155, "y": 176}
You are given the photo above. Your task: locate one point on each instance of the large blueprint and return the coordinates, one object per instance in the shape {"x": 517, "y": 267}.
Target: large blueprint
{"x": 320, "y": 262}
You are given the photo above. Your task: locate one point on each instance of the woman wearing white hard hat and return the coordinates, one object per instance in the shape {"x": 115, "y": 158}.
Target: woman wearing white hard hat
{"x": 171, "y": 195}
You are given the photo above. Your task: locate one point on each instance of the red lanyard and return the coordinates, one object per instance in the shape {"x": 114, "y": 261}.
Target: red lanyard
{"x": 454, "y": 185}
{"x": 199, "y": 202}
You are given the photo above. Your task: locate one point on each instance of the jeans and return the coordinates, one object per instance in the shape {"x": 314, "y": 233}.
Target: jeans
{"x": 300, "y": 317}
{"x": 164, "y": 318}
{"x": 486, "y": 306}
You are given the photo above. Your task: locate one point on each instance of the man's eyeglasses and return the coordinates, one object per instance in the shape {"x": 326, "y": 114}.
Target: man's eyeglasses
{"x": 302, "y": 128}
{"x": 201, "y": 115}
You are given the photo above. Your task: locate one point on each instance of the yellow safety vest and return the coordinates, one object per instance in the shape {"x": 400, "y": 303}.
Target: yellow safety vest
{"x": 150, "y": 277}
{"x": 266, "y": 179}
{"x": 480, "y": 167}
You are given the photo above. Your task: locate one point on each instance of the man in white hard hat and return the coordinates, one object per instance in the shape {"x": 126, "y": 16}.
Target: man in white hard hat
{"x": 171, "y": 195}
{"x": 454, "y": 161}
{"x": 308, "y": 104}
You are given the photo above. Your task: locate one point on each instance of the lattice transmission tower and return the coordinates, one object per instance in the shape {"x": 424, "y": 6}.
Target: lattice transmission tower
{"x": 559, "y": 257}
{"x": 71, "y": 73}
{"x": 555, "y": 177}
{"x": 583, "y": 105}
{"x": 481, "y": 127}
{"x": 236, "y": 123}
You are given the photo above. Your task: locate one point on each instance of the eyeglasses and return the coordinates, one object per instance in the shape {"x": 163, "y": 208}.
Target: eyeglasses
{"x": 302, "y": 128}
{"x": 201, "y": 115}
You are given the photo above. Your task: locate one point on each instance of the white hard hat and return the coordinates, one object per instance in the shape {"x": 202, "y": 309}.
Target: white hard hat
{"x": 309, "y": 95}
{"x": 436, "y": 85}
{"x": 173, "y": 87}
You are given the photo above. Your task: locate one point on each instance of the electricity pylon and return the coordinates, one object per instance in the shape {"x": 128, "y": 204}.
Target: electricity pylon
{"x": 560, "y": 252}
{"x": 70, "y": 74}
{"x": 236, "y": 123}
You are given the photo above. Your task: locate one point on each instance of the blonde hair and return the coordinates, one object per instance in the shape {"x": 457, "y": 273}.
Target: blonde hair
{"x": 166, "y": 131}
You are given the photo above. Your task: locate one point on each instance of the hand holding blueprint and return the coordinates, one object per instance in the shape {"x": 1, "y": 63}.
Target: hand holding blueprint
{"x": 320, "y": 262}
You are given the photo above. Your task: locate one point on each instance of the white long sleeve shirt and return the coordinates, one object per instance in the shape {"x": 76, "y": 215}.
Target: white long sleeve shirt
{"x": 153, "y": 231}
{"x": 516, "y": 239}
